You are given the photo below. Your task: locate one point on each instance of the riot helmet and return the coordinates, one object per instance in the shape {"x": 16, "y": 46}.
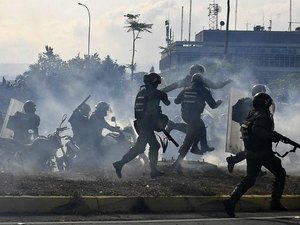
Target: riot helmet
{"x": 85, "y": 109}
{"x": 197, "y": 68}
{"x": 102, "y": 108}
{"x": 152, "y": 78}
{"x": 197, "y": 78}
{"x": 29, "y": 106}
{"x": 262, "y": 101}
{"x": 258, "y": 88}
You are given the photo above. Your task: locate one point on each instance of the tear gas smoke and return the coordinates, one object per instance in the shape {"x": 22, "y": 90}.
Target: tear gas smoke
{"x": 286, "y": 118}
{"x": 52, "y": 105}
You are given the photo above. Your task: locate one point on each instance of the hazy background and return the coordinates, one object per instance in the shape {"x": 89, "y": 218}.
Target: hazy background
{"x": 27, "y": 26}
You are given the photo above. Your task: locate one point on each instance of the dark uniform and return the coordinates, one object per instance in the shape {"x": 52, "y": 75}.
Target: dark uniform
{"x": 186, "y": 82}
{"x": 193, "y": 100}
{"x": 148, "y": 114}
{"x": 97, "y": 123}
{"x": 79, "y": 121}
{"x": 22, "y": 122}
{"x": 258, "y": 134}
{"x": 240, "y": 112}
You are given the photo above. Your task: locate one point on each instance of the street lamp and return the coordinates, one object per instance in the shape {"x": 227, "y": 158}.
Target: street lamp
{"x": 89, "y": 34}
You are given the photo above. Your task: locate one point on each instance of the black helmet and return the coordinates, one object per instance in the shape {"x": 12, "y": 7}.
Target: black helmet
{"x": 152, "y": 78}
{"x": 29, "y": 106}
{"x": 197, "y": 68}
{"x": 102, "y": 108}
{"x": 85, "y": 109}
{"x": 258, "y": 88}
{"x": 197, "y": 78}
{"x": 262, "y": 100}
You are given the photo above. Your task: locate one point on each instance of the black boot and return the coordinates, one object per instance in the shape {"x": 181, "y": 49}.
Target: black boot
{"x": 177, "y": 165}
{"x": 118, "y": 167}
{"x": 156, "y": 173}
{"x": 196, "y": 150}
{"x": 277, "y": 206}
{"x": 207, "y": 149}
{"x": 229, "y": 207}
{"x": 178, "y": 168}
{"x": 230, "y": 163}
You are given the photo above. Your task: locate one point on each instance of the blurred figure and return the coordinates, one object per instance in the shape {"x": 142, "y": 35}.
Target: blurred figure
{"x": 186, "y": 82}
{"x": 79, "y": 121}
{"x": 193, "y": 100}
{"x": 149, "y": 118}
{"x": 25, "y": 125}
{"x": 97, "y": 123}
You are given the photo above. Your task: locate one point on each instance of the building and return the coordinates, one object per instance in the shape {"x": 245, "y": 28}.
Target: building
{"x": 267, "y": 53}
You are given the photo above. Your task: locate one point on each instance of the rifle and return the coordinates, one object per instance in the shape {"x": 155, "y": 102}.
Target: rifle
{"x": 163, "y": 143}
{"x": 160, "y": 126}
{"x": 82, "y": 103}
{"x": 286, "y": 140}
{"x": 170, "y": 137}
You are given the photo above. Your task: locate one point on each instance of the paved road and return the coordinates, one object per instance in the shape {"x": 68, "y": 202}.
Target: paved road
{"x": 169, "y": 219}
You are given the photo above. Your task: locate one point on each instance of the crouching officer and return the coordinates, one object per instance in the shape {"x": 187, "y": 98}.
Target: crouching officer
{"x": 193, "y": 100}
{"x": 22, "y": 122}
{"x": 258, "y": 134}
{"x": 148, "y": 117}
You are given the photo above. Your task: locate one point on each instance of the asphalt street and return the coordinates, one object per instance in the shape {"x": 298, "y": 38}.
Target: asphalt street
{"x": 148, "y": 219}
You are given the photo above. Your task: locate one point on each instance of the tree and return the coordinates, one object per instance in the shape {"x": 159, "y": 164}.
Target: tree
{"x": 136, "y": 28}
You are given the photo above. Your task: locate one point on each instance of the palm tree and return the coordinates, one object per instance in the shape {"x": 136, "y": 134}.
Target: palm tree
{"x": 136, "y": 28}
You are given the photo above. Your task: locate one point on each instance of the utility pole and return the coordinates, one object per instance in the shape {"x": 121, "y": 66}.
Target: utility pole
{"x": 235, "y": 19}
{"x": 290, "y": 22}
{"x": 227, "y": 28}
{"x": 89, "y": 33}
{"x": 181, "y": 30}
{"x": 190, "y": 20}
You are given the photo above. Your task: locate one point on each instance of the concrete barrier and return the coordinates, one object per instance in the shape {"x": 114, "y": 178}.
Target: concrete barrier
{"x": 121, "y": 204}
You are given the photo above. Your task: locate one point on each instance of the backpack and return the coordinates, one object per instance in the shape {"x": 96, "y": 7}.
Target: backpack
{"x": 241, "y": 109}
{"x": 246, "y": 129}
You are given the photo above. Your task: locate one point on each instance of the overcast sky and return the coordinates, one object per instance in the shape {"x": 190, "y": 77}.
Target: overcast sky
{"x": 28, "y": 25}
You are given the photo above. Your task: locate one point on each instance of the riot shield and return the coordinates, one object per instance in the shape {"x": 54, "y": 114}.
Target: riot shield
{"x": 13, "y": 107}
{"x": 234, "y": 143}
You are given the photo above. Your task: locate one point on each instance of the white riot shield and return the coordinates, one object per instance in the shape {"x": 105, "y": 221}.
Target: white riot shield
{"x": 13, "y": 107}
{"x": 234, "y": 143}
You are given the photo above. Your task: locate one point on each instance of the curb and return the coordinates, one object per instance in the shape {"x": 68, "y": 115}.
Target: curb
{"x": 121, "y": 204}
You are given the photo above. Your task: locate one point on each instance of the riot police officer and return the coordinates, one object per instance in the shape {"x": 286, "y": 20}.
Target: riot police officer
{"x": 239, "y": 113}
{"x": 193, "y": 100}
{"x": 79, "y": 121}
{"x": 186, "y": 82}
{"x": 258, "y": 134}
{"x": 23, "y": 122}
{"x": 97, "y": 123}
{"x": 148, "y": 116}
